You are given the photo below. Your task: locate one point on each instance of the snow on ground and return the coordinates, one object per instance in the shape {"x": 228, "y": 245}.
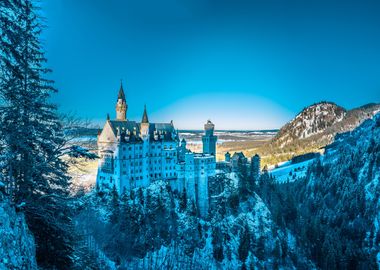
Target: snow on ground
{"x": 234, "y": 177}
{"x": 17, "y": 248}
{"x": 289, "y": 171}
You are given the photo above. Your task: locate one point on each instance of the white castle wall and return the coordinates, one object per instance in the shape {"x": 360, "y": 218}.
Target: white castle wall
{"x": 130, "y": 164}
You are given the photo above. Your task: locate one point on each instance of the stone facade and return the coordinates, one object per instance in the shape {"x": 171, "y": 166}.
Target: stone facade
{"x": 134, "y": 154}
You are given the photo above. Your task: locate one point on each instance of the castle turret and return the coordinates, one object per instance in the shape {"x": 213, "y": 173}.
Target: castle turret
{"x": 227, "y": 157}
{"x": 182, "y": 150}
{"x": 255, "y": 167}
{"x": 183, "y": 143}
{"x": 208, "y": 139}
{"x": 121, "y": 105}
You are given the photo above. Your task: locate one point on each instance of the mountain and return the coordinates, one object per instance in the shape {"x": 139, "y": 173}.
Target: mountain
{"x": 313, "y": 120}
{"x": 337, "y": 203}
{"x": 315, "y": 127}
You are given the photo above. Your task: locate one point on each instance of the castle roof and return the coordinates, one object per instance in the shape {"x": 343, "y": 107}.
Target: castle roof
{"x": 121, "y": 94}
{"x": 238, "y": 155}
{"x": 145, "y": 116}
{"x": 164, "y": 130}
{"x": 124, "y": 126}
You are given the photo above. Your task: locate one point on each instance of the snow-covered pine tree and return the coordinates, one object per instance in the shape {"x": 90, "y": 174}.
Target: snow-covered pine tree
{"x": 183, "y": 200}
{"x": 31, "y": 135}
{"x": 244, "y": 244}
{"x": 114, "y": 206}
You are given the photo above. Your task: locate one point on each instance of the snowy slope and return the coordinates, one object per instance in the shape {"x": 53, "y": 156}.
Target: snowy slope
{"x": 17, "y": 249}
{"x": 289, "y": 171}
{"x": 321, "y": 121}
{"x": 312, "y": 120}
{"x": 252, "y": 215}
{"x": 341, "y": 190}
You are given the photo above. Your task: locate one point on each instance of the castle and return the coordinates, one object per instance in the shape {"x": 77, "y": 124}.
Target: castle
{"x": 135, "y": 154}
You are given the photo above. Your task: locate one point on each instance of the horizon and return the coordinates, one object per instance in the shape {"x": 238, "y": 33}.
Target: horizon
{"x": 244, "y": 65}
{"x": 100, "y": 123}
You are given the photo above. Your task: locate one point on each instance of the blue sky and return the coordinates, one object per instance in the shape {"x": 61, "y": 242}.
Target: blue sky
{"x": 243, "y": 64}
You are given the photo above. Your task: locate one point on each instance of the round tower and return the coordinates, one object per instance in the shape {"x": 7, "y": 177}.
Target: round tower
{"x": 208, "y": 139}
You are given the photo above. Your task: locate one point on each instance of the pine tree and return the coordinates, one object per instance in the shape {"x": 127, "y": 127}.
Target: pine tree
{"x": 192, "y": 209}
{"x": 244, "y": 244}
{"x": 114, "y": 206}
{"x": 183, "y": 201}
{"x": 31, "y": 135}
{"x": 217, "y": 244}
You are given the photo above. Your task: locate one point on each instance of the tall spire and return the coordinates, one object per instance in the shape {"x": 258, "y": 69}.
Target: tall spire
{"x": 121, "y": 94}
{"x": 145, "y": 116}
{"x": 121, "y": 105}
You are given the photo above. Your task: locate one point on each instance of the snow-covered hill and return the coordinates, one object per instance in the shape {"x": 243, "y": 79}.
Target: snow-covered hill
{"x": 324, "y": 118}
{"x": 337, "y": 203}
{"x": 154, "y": 228}
{"x": 314, "y": 128}
{"x": 312, "y": 120}
{"x": 289, "y": 171}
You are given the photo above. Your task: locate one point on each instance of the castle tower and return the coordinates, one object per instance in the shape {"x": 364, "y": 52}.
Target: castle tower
{"x": 227, "y": 157}
{"x": 144, "y": 128}
{"x": 208, "y": 139}
{"x": 183, "y": 144}
{"x": 182, "y": 150}
{"x": 121, "y": 105}
{"x": 255, "y": 167}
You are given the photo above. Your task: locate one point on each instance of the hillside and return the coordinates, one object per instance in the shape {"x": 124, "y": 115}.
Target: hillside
{"x": 337, "y": 203}
{"x": 17, "y": 247}
{"x": 313, "y": 120}
{"x": 314, "y": 127}
{"x": 155, "y": 228}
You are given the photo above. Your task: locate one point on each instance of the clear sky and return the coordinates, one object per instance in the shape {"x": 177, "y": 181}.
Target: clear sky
{"x": 243, "y": 64}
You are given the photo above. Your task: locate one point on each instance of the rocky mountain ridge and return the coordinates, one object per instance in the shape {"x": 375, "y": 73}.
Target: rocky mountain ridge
{"x": 313, "y": 128}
